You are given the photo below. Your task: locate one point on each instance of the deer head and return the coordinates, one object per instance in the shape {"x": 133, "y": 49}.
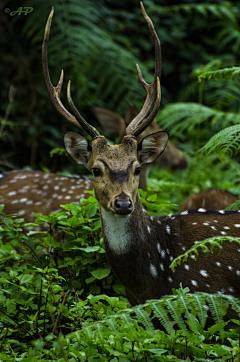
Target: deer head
{"x": 115, "y": 169}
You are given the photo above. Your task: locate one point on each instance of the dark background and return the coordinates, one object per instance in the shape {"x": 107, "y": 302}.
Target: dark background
{"x": 98, "y": 44}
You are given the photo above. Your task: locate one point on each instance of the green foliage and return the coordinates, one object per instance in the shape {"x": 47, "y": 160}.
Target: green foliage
{"x": 66, "y": 305}
{"x": 233, "y": 73}
{"x": 225, "y": 142}
{"x": 180, "y": 117}
{"x": 69, "y": 306}
{"x": 154, "y": 205}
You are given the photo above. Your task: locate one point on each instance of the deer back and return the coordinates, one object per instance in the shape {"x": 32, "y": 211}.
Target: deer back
{"x": 25, "y": 192}
{"x": 210, "y": 199}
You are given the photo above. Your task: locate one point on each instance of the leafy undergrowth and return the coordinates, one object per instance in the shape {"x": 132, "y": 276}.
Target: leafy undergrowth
{"x": 66, "y": 305}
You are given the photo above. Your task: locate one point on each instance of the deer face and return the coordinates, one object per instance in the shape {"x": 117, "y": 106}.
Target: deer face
{"x": 115, "y": 169}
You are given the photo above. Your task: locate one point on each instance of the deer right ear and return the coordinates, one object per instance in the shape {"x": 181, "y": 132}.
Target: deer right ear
{"x": 152, "y": 146}
{"x": 77, "y": 147}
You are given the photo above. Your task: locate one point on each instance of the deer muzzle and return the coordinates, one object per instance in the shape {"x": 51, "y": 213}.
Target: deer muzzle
{"x": 123, "y": 207}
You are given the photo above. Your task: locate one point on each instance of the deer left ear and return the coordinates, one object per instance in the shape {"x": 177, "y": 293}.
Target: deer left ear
{"x": 77, "y": 147}
{"x": 152, "y": 146}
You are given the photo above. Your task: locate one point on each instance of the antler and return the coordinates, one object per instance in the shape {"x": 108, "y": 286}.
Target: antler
{"x": 153, "y": 90}
{"x": 86, "y": 126}
{"x": 54, "y": 92}
{"x": 137, "y": 125}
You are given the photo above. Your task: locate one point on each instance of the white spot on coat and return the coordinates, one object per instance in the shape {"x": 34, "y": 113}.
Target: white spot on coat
{"x": 194, "y": 283}
{"x": 204, "y": 273}
{"x": 153, "y": 270}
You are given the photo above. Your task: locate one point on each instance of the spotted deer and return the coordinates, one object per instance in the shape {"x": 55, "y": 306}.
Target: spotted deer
{"x": 209, "y": 199}
{"x": 28, "y": 192}
{"x": 140, "y": 247}
{"x": 172, "y": 157}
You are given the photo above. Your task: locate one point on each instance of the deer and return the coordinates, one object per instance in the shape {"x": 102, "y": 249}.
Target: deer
{"x": 115, "y": 125}
{"x": 210, "y": 199}
{"x": 28, "y": 192}
{"x": 140, "y": 247}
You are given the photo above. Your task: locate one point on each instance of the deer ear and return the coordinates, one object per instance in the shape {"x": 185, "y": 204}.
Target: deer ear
{"x": 110, "y": 121}
{"x": 77, "y": 147}
{"x": 152, "y": 146}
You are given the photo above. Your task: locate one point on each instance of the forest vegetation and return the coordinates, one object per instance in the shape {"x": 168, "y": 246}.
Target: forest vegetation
{"x": 69, "y": 306}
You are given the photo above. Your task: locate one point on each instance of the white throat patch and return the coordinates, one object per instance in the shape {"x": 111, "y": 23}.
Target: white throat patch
{"x": 116, "y": 231}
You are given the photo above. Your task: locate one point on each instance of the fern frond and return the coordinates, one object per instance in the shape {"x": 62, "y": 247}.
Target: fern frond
{"x": 225, "y": 73}
{"x": 215, "y": 241}
{"x": 234, "y": 303}
{"x": 144, "y": 318}
{"x": 216, "y": 310}
{"x": 234, "y": 207}
{"x": 179, "y": 117}
{"x": 225, "y": 142}
{"x": 198, "y": 302}
{"x": 162, "y": 315}
{"x": 229, "y": 34}
{"x": 185, "y": 303}
{"x": 176, "y": 311}
{"x": 210, "y": 66}
{"x": 204, "y": 9}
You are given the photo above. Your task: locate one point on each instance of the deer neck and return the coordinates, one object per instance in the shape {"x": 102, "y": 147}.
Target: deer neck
{"x": 133, "y": 250}
{"x": 143, "y": 177}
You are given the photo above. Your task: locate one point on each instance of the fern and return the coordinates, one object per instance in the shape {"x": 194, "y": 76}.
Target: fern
{"x": 161, "y": 313}
{"x": 204, "y": 9}
{"x": 144, "y": 318}
{"x": 235, "y": 303}
{"x": 199, "y": 306}
{"x": 225, "y": 142}
{"x": 180, "y": 117}
{"x": 225, "y": 73}
{"x": 215, "y": 241}
{"x": 85, "y": 49}
{"x": 191, "y": 319}
{"x": 176, "y": 312}
{"x": 217, "y": 311}
{"x": 234, "y": 207}
{"x": 183, "y": 308}
{"x": 229, "y": 35}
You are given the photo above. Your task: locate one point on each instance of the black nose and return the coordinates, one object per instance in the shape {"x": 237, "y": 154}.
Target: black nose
{"x": 123, "y": 207}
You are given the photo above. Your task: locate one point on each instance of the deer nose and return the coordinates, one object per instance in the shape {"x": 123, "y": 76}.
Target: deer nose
{"x": 123, "y": 207}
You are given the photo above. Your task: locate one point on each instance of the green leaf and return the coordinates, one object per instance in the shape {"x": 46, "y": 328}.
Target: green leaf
{"x": 101, "y": 273}
{"x": 26, "y": 278}
{"x": 92, "y": 210}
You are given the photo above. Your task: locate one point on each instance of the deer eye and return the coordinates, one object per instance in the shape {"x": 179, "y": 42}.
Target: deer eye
{"x": 96, "y": 171}
{"x": 137, "y": 171}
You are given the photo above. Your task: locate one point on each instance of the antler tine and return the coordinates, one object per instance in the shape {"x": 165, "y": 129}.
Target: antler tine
{"x": 86, "y": 126}
{"x": 140, "y": 127}
{"x": 54, "y": 92}
{"x": 137, "y": 123}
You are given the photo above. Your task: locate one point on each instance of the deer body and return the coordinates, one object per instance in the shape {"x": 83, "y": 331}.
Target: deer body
{"x": 25, "y": 192}
{"x": 140, "y": 247}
